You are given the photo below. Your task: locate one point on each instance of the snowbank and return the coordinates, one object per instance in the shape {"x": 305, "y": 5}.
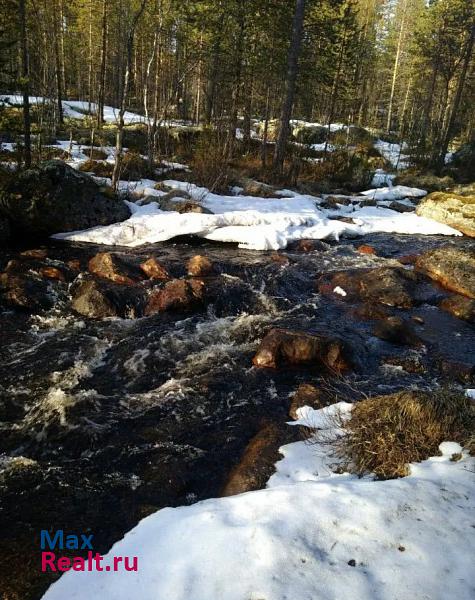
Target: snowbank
{"x": 257, "y": 223}
{"x": 311, "y": 534}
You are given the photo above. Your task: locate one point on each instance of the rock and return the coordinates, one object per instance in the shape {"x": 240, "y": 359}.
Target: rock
{"x": 306, "y": 395}
{"x": 280, "y": 259}
{"x": 100, "y": 299}
{"x": 182, "y": 206}
{"x": 426, "y": 181}
{"x": 389, "y": 286}
{"x": 400, "y": 207}
{"x": 74, "y": 264}
{"x": 52, "y": 273}
{"x": 370, "y": 312}
{"x": 366, "y": 249}
{"x": 408, "y": 259}
{"x": 464, "y": 160}
{"x": 113, "y": 267}
{"x": 177, "y": 294}
{"x": 454, "y": 370}
{"x": 257, "y": 188}
{"x": 460, "y": 307}
{"x": 199, "y": 266}
{"x": 452, "y": 267}
{"x": 282, "y": 346}
{"x": 154, "y": 270}
{"x": 37, "y": 253}
{"x": 313, "y": 134}
{"x": 258, "y": 460}
{"x": 396, "y": 331}
{"x": 56, "y": 198}
{"x": 451, "y": 209}
{"x": 5, "y": 231}
{"x": 308, "y": 246}
{"x": 25, "y": 291}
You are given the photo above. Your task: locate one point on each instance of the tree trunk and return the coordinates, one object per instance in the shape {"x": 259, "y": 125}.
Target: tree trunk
{"x": 292, "y": 70}
{"x": 57, "y": 57}
{"x": 25, "y": 84}
{"x": 396, "y": 67}
{"x": 124, "y": 95}
{"x": 102, "y": 75}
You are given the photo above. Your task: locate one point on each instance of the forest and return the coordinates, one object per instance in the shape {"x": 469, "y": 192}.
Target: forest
{"x": 237, "y": 299}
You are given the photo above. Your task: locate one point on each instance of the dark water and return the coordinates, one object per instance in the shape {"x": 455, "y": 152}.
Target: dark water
{"x": 102, "y": 422}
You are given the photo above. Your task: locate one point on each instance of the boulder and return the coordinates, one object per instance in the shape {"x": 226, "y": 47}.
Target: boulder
{"x": 400, "y": 207}
{"x": 257, "y": 188}
{"x": 464, "y": 160}
{"x": 25, "y": 291}
{"x": 100, "y": 299}
{"x": 310, "y": 134}
{"x": 199, "y": 266}
{"x": 258, "y": 460}
{"x": 177, "y": 294}
{"x": 366, "y": 249}
{"x": 460, "y": 307}
{"x": 55, "y": 198}
{"x": 284, "y": 347}
{"x": 306, "y": 395}
{"x": 396, "y": 331}
{"x": 154, "y": 270}
{"x": 182, "y": 206}
{"x": 452, "y": 267}
{"x": 451, "y": 209}
{"x": 113, "y": 267}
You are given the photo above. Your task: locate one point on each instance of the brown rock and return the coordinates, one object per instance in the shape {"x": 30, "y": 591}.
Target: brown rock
{"x": 74, "y": 264}
{"x": 38, "y": 253}
{"x": 154, "y": 270}
{"x": 408, "y": 259}
{"x": 258, "y": 460}
{"x": 282, "y": 346}
{"x": 366, "y": 249}
{"x": 177, "y": 294}
{"x": 454, "y": 370}
{"x": 389, "y": 286}
{"x": 279, "y": 258}
{"x": 101, "y": 299}
{"x": 110, "y": 266}
{"x": 52, "y": 273}
{"x": 306, "y": 395}
{"x": 199, "y": 266}
{"x": 452, "y": 267}
{"x": 24, "y": 291}
{"x": 460, "y": 307}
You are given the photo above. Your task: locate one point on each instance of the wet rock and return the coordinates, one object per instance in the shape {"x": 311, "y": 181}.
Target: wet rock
{"x": 306, "y": 395}
{"x": 452, "y": 267}
{"x": 370, "y": 312}
{"x": 411, "y": 363}
{"x": 389, "y": 286}
{"x": 258, "y": 460}
{"x": 366, "y": 249}
{"x": 99, "y": 299}
{"x": 154, "y": 270}
{"x": 400, "y": 207}
{"x": 74, "y": 264}
{"x": 177, "y": 294}
{"x": 199, "y": 266}
{"x": 52, "y": 273}
{"x": 25, "y": 291}
{"x": 280, "y": 259}
{"x": 368, "y": 202}
{"x": 308, "y": 246}
{"x": 37, "y": 253}
{"x": 397, "y": 331}
{"x": 111, "y": 266}
{"x": 460, "y": 307}
{"x": 284, "y": 347}
{"x": 451, "y": 209}
{"x": 408, "y": 259}
{"x": 54, "y": 198}
{"x": 5, "y": 231}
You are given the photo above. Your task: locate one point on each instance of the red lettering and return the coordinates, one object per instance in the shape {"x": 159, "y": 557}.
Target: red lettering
{"x": 47, "y": 559}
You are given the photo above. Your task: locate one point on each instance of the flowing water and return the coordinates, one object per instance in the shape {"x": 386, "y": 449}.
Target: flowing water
{"x": 103, "y": 422}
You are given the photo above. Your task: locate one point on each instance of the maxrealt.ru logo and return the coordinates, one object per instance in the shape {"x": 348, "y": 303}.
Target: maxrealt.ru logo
{"x": 59, "y": 540}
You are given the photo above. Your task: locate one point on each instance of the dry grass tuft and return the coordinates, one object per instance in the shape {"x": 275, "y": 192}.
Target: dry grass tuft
{"x": 386, "y": 433}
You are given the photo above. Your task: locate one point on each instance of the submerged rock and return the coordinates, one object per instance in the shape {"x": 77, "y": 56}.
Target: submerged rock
{"x": 56, "y": 198}
{"x": 25, "y": 291}
{"x": 452, "y": 267}
{"x": 282, "y": 346}
{"x": 100, "y": 299}
{"x": 397, "y": 331}
{"x": 177, "y": 294}
{"x": 451, "y": 209}
{"x": 306, "y": 395}
{"x": 460, "y": 307}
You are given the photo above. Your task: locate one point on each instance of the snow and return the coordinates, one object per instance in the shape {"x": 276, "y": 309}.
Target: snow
{"x": 393, "y": 153}
{"x": 397, "y": 192}
{"x": 253, "y": 223}
{"x": 339, "y": 290}
{"x": 298, "y": 538}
